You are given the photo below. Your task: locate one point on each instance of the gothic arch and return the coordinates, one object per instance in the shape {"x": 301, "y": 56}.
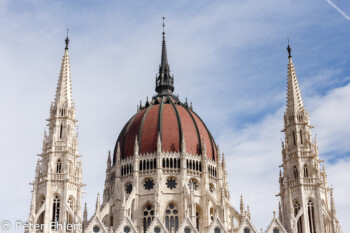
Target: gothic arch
{"x": 199, "y": 217}
{"x": 148, "y": 215}
{"x": 193, "y": 183}
{"x": 171, "y": 217}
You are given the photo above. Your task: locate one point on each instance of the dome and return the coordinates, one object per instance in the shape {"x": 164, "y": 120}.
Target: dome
{"x": 172, "y": 120}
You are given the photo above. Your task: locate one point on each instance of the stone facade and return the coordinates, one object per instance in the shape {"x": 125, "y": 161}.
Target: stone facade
{"x": 175, "y": 191}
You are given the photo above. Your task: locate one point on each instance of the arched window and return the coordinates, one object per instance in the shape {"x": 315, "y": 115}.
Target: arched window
{"x": 217, "y": 230}
{"x": 197, "y": 220}
{"x": 58, "y": 166}
{"x": 148, "y": 215}
{"x": 246, "y": 230}
{"x": 171, "y": 218}
{"x": 306, "y": 172}
{"x": 311, "y": 215}
{"x": 126, "y": 229}
{"x": 55, "y": 211}
{"x": 211, "y": 214}
{"x": 156, "y": 230}
{"x": 296, "y": 172}
{"x": 301, "y": 137}
{"x": 276, "y": 230}
{"x": 71, "y": 203}
{"x": 187, "y": 230}
{"x": 296, "y": 208}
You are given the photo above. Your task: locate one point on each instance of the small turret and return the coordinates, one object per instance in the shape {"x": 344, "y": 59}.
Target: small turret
{"x": 333, "y": 209}
{"x": 241, "y": 205}
{"x": 204, "y": 148}
{"x": 159, "y": 144}
{"x": 85, "y": 216}
{"x": 98, "y": 204}
{"x": 183, "y": 144}
{"x": 136, "y": 147}
{"x": 109, "y": 162}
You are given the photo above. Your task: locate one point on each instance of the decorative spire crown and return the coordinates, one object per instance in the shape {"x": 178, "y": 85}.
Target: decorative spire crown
{"x": 64, "y": 88}
{"x": 67, "y": 40}
{"x": 164, "y": 81}
{"x": 289, "y": 50}
{"x": 294, "y": 100}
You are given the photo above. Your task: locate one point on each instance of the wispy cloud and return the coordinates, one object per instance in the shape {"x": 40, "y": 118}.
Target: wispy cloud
{"x": 228, "y": 57}
{"x": 346, "y": 16}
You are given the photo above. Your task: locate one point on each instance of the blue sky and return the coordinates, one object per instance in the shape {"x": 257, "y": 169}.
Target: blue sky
{"x": 228, "y": 57}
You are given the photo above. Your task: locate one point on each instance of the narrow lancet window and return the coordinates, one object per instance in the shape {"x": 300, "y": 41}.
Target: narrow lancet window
{"x": 294, "y": 139}
{"x": 59, "y": 166}
{"x": 311, "y": 215}
{"x": 301, "y": 137}
{"x": 55, "y": 212}
{"x": 296, "y": 172}
{"x": 61, "y": 131}
{"x": 306, "y": 171}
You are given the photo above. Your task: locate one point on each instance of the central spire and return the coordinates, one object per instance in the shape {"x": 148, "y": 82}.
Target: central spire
{"x": 64, "y": 88}
{"x": 164, "y": 81}
{"x": 294, "y": 100}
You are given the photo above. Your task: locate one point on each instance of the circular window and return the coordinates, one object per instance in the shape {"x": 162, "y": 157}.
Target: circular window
{"x": 171, "y": 183}
{"x": 149, "y": 184}
{"x": 211, "y": 188}
{"x": 128, "y": 188}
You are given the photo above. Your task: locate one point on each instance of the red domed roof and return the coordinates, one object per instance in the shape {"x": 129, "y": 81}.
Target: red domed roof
{"x": 173, "y": 120}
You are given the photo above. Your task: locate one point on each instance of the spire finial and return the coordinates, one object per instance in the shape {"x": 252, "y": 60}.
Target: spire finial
{"x": 67, "y": 40}
{"x": 164, "y": 81}
{"x": 289, "y": 49}
{"x": 163, "y": 18}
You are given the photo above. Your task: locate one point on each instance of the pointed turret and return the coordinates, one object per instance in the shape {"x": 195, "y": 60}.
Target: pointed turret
{"x": 159, "y": 144}
{"x": 248, "y": 212}
{"x": 64, "y": 87}
{"x": 294, "y": 100}
{"x": 109, "y": 162}
{"x": 333, "y": 209}
{"x": 241, "y": 205}
{"x": 98, "y": 204}
{"x": 183, "y": 144}
{"x": 164, "y": 81}
{"x": 136, "y": 147}
{"x": 85, "y": 216}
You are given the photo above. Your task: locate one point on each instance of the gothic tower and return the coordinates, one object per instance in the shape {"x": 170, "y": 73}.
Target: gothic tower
{"x": 307, "y": 201}
{"x": 56, "y": 195}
